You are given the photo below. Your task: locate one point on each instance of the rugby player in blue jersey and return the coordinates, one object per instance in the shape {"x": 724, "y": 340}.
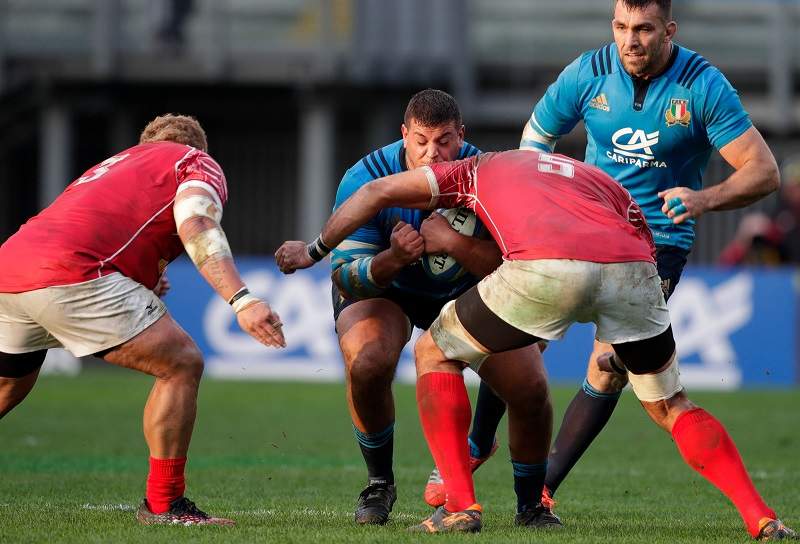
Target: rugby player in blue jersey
{"x": 654, "y": 111}
{"x": 381, "y": 291}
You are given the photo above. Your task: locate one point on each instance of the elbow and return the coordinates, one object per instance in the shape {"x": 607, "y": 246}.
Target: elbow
{"x": 773, "y": 176}
{"x": 351, "y": 287}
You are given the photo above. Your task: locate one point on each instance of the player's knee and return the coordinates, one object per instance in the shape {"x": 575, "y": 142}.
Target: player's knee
{"x": 424, "y": 348}
{"x": 604, "y": 381}
{"x": 185, "y": 362}
{"x": 428, "y": 357}
{"x": 373, "y": 363}
{"x": 530, "y": 394}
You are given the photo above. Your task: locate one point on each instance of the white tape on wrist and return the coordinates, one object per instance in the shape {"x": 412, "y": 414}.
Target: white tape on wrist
{"x": 245, "y": 301}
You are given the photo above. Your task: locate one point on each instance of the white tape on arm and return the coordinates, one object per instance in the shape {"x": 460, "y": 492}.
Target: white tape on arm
{"x": 208, "y": 244}
{"x": 211, "y": 242}
{"x": 196, "y": 205}
{"x": 433, "y": 184}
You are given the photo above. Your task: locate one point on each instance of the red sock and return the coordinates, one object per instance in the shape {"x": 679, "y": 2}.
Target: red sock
{"x": 445, "y": 412}
{"x": 165, "y": 483}
{"x": 706, "y": 447}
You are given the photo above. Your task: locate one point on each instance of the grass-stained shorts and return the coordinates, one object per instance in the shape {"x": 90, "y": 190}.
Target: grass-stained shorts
{"x": 84, "y": 318}
{"x": 523, "y": 301}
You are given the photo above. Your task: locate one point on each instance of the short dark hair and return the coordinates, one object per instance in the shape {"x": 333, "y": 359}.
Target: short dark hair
{"x": 664, "y": 5}
{"x": 433, "y": 108}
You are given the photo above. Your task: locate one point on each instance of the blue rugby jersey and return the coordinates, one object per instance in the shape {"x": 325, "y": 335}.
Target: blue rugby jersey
{"x": 650, "y": 135}
{"x": 350, "y": 260}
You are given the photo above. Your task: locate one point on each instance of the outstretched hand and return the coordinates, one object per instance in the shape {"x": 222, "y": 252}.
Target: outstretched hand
{"x": 259, "y": 321}
{"x": 293, "y": 255}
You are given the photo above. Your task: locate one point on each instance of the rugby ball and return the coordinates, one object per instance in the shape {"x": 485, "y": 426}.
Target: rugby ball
{"x": 442, "y": 267}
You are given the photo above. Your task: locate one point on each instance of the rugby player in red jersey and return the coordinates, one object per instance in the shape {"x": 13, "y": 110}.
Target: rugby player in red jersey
{"x": 576, "y": 247}
{"x": 81, "y": 275}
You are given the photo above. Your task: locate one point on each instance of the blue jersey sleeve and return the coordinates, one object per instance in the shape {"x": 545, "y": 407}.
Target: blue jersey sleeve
{"x": 557, "y": 112}
{"x": 723, "y": 115}
{"x": 351, "y": 260}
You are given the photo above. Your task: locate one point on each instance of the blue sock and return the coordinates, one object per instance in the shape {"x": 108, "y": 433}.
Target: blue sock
{"x": 585, "y": 417}
{"x": 378, "y": 452}
{"x": 489, "y": 410}
{"x": 528, "y": 484}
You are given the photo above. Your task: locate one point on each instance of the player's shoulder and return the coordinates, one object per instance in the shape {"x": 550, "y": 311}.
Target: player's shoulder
{"x": 594, "y": 63}
{"x": 696, "y": 73}
{"x": 379, "y": 163}
{"x": 467, "y": 150}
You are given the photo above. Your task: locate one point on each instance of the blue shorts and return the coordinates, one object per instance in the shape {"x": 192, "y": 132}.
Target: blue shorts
{"x": 421, "y": 311}
{"x": 670, "y": 261}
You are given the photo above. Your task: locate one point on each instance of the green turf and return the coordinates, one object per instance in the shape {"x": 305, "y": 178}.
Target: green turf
{"x": 281, "y": 459}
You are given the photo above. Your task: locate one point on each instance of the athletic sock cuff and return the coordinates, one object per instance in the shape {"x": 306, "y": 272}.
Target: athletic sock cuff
{"x": 374, "y": 440}
{"x": 592, "y": 392}
{"x": 440, "y": 382}
{"x": 167, "y": 468}
{"x": 524, "y": 470}
{"x": 688, "y": 419}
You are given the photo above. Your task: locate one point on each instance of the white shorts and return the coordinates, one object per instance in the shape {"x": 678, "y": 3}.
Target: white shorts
{"x": 542, "y": 298}
{"x": 84, "y": 318}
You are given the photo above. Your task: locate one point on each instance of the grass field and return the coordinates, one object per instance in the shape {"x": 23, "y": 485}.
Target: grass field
{"x": 280, "y": 458}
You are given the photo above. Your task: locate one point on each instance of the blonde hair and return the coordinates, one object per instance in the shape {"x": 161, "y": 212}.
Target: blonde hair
{"x": 181, "y": 129}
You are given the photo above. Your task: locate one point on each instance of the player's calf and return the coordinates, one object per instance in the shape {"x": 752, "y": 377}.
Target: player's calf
{"x": 702, "y": 440}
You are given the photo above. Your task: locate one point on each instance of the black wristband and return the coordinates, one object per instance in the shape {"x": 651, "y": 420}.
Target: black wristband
{"x": 317, "y": 249}
{"x": 238, "y": 294}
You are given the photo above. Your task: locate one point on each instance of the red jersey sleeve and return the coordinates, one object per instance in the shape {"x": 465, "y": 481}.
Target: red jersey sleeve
{"x": 455, "y": 183}
{"x": 199, "y": 166}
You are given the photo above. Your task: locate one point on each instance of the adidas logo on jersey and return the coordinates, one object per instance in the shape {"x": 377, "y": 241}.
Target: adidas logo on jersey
{"x": 600, "y": 102}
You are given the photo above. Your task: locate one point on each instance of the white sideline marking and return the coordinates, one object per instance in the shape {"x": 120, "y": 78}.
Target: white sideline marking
{"x": 302, "y": 512}
{"x": 109, "y": 507}
{"x": 311, "y": 512}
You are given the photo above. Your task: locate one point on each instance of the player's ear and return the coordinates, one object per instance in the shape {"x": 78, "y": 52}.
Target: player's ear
{"x": 461, "y": 134}
{"x": 672, "y": 29}
{"x": 404, "y": 132}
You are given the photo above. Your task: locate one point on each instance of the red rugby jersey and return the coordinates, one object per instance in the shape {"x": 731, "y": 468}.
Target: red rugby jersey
{"x": 117, "y": 217}
{"x": 547, "y": 206}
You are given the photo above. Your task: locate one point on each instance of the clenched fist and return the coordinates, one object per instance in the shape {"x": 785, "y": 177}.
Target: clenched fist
{"x": 439, "y": 236}
{"x": 293, "y": 255}
{"x": 406, "y": 243}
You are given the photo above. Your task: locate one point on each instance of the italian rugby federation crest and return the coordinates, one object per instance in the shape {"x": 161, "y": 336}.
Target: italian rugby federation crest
{"x": 678, "y": 112}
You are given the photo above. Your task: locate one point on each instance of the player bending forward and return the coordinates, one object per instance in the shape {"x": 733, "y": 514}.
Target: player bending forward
{"x": 576, "y": 248}
{"x": 81, "y": 274}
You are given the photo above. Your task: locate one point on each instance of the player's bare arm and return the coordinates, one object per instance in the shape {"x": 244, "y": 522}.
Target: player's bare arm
{"x": 479, "y": 257}
{"x": 755, "y": 177}
{"x": 408, "y": 190}
{"x": 197, "y": 216}
{"x": 406, "y": 246}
